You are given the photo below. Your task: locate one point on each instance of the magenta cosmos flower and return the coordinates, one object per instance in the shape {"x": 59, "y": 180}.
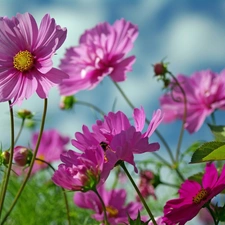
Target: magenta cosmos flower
{"x": 118, "y": 138}
{"x": 193, "y": 196}
{"x": 51, "y": 146}
{"x": 114, "y": 200}
{"x": 101, "y": 52}
{"x": 80, "y": 172}
{"x": 205, "y": 92}
{"x": 26, "y": 56}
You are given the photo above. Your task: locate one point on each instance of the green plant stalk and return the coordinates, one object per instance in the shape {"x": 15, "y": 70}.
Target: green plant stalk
{"x": 91, "y": 106}
{"x": 184, "y": 117}
{"x": 63, "y": 190}
{"x": 31, "y": 164}
{"x": 20, "y": 131}
{"x": 212, "y": 213}
{"x": 103, "y": 206}
{"x": 6, "y": 180}
{"x": 139, "y": 193}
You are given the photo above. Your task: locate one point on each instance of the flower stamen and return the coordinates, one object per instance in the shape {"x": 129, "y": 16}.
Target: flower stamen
{"x": 202, "y": 194}
{"x": 113, "y": 212}
{"x": 23, "y": 61}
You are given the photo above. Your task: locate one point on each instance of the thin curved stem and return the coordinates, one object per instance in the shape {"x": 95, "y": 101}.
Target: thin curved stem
{"x": 6, "y": 180}
{"x": 169, "y": 184}
{"x": 91, "y": 106}
{"x": 213, "y": 118}
{"x": 20, "y": 131}
{"x": 103, "y": 206}
{"x": 184, "y": 117}
{"x": 212, "y": 214}
{"x": 63, "y": 190}
{"x": 31, "y": 164}
{"x": 138, "y": 192}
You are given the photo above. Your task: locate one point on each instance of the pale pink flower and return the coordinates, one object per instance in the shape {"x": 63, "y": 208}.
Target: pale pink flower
{"x": 205, "y": 92}
{"x": 80, "y": 172}
{"x": 193, "y": 196}
{"x": 118, "y": 138}
{"x": 115, "y": 202}
{"x": 26, "y": 57}
{"x": 101, "y": 52}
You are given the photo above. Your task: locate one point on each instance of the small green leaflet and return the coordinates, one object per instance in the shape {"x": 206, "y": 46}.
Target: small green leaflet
{"x": 209, "y": 151}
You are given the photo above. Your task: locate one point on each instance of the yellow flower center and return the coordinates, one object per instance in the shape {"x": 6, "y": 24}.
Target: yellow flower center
{"x": 41, "y": 157}
{"x": 202, "y": 194}
{"x": 23, "y": 61}
{"x": 113, "y": 212}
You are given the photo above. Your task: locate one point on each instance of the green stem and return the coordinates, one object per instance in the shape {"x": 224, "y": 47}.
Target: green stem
{"x": 103, "y": 206}
{"x": 147, "y": 121}
{"x": 139, "y": 193}
{"x": 63, "y": 190}
{"x": 168, "y": 184}
{"x": 212, "y": 213}
{"x": 31, "y": 164}
{"x": 184, "y": 117}
{"x": 213, "y": 118}
{"x": 91, "y": 106}
{"x": 20, "y": 130}
{"x": 6, "y": 180}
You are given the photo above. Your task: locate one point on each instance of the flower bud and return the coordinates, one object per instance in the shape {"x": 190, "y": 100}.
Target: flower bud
{"x": 25, "y": 114}
{"x": 22, "y": 156}
{"x": 160, "y": 69}
{"x": 67, "y": 102}
{"x": 5, "y": 157}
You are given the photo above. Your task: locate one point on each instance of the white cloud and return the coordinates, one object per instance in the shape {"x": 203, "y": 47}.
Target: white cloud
{"x": 192, "y": 39}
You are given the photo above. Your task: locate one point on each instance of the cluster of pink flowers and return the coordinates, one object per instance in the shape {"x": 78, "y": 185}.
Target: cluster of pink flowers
{"x": 116, "y": 139}
{"x": 205, "y": 93}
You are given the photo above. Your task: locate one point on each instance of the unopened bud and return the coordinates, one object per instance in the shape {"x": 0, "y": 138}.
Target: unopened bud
{"x": 67, "y": 102}
{"x": 5, "y": 157}
{"x": 22, "y": 156}
{"x": 25, "y": 114}
{"x": 160, "y": 69}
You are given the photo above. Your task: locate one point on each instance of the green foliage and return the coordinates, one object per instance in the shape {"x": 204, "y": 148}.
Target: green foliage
{"x": 191, "y": 149}
{"x": 42, "y": 202}
{"x": 209, "y": 151}
{"x": 218, "y": 132}
{"x": 220, "y": 213}
{"x": 137, "y": 221}
{"x": 196, "y": 177}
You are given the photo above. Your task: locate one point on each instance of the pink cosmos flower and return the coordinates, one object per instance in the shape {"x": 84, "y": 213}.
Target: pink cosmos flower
{"x": 193, "y": 196}
{"x": 51, "y": 146}
{"x": 118, "y": 138}
{"x": 205, "y": 92}
{"x": 114, "y": 200}
{"x": 101, "y": 52}
{"x": 26, "y": 57}
{"x": 79, "y": 172}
